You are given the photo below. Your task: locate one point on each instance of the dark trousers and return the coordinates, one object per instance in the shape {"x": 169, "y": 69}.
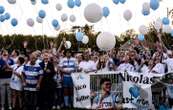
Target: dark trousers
{"x": 59, "y": 99}
{"x": 46, "y": 99}
{"x": 30, "y": 100}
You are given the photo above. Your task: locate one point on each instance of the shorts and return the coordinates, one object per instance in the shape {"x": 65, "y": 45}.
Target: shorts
{"x": 67, "y": 81}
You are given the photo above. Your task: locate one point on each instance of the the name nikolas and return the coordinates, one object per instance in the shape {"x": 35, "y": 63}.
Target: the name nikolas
{"x": 137, "y": 79}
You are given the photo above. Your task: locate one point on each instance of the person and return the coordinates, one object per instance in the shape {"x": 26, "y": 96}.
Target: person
{"x": 31, "y": 76}
{"x": 5, "y": 75}
{"x": 87, "y": 65}
{"x": 47, "y": 87}
{"x": 15, "y": 55}
{"x": 169, "y": 61}
{"x": 16, "y": 84}
{"x": 105, "y": 99}
{"x": 126, "y": 66}
{"x": 67, "y": 66}
{"x": 159, "y": 66}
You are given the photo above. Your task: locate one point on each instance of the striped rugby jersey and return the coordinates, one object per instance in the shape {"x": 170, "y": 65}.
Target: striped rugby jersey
{"x": 68, "y": 64}
{"x": 32, "y": 74}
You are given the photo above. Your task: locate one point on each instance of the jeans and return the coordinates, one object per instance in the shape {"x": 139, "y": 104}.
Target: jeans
{"x": 5, "y": 93}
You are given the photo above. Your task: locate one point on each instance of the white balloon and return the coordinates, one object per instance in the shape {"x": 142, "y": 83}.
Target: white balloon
{"x": 72, "y": 18}
{"x": 127, "y": 15}
{"x": 64, "y": 17}
{"x": 158, "y": 24}
{"x": 146, "y": 6}
{"x": 39, "y": 20}
{"x": 93, "y": 13}
{"x": 105, "y": 41}
{"x": 67, "y": 44}
{"x": 30, "y": 22}
{"x": 143, "y": 29}
{"x": 167, "y": 29}
{"x": 58, "y": 6}
{"x": 11, "y": 1}
{"x": 85, "y": 39}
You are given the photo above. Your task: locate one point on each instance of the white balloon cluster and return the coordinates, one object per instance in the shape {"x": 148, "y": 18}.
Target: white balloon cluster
{"x": 67, "y": 44}
{"x": 143, "y": 29}
{"x": 105, "y": 41}
{"x": 93, "y": 13}
{"x": 64, "y": 17}
{"x": 85, "y": 39}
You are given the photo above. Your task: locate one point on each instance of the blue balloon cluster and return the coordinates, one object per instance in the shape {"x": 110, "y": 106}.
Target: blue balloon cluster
{"x": 119, "y": 1}
{"x": 165, "y": 21}
{"x": 106, "y": 11}
{"x": 70, "y": 3}
{"x": 2, "y": 9}
{"x": 134, "y": 91}
{"x": 42, "y": 14}
{"x": 122, "y": 1}
{"x": 14, "y": 22}
{"x": 115, "y": 1}
{"x": 145, "y": 12}
{"x": 79, "y": 36}
{"x": 154, "y": 4}
{"x": 141, "y": 37}
{"x": 44, "y": 2}
{"x": 78, "y": 3}
{"x": 2, "y": 18}
{"x": 7, "y": 16}
{"x": 55, "y": 23}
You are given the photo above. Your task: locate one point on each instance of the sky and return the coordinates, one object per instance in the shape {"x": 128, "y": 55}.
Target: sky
{"x": 114, "y": 23}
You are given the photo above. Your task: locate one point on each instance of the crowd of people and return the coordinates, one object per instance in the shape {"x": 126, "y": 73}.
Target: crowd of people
{"x": 42, "y": 80}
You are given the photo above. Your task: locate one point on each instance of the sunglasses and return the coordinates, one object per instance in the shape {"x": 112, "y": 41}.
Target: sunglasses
{"x": 108, "y": 84}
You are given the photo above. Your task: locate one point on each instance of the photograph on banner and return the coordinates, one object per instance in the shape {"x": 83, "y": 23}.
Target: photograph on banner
{"x": 106, "y": 90}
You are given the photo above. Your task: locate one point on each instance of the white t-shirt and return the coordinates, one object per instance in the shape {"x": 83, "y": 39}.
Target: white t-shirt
{"x": 105, "y": 103}
{"x": 159, "y": 68}
{"x": 145, "y": 69}
{"x": 169, "y": 63}
{"x": 125, "y": 67}
{"x": 87, "y": 65}
{"x": 16, "y": 82}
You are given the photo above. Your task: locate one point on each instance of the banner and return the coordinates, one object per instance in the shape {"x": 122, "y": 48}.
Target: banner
{"x": 81, "y": 83}
{"x": 110, "y": 90}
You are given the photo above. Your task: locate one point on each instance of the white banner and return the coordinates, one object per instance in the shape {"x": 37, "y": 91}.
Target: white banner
{"x": 82, "y": 92}
{"x": 126, "y": 89}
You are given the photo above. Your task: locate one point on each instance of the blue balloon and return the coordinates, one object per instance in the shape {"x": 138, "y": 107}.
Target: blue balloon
{"x": 44, "y": 2}
{"x": 42, "y": 14}
{"x": 14, "y": 22}
{"x": 145, "y": 12}
{"x": 122, "y": 1}
{"x": 141, "y": 37}
{"x": 55, "y": 23}
{"x": 134, "y": 91}
{"x": 78, "y": 3}
{"x": 7, "y": 16}
{"x": 33, "y": 2}
{"x": 116, "y": 1}
{"x": 172, "y": 33}
{"x": 70, "y": 3}
{"x": 165, "y": 21}
{"x": 154, "y": 4}
{"x": 2, "y": 18}
{"x": 106, "y": 11}
{"x": 79, "y": 36}
{"x": 2, "y": 9}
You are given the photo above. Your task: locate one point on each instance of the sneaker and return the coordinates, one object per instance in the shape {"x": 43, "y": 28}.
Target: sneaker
{"x": 58, "y": 107}
{"x": 9, "y": 108}
{"x": 54, "y": 107}
{"x": 2, "y": 108}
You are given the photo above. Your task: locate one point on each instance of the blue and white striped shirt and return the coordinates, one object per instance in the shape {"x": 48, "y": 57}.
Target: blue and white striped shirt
{"x": 32, "y": 74}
